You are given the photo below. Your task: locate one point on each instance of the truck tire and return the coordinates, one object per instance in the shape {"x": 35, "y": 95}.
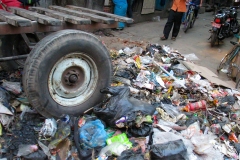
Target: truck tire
{"x": 12, "y": 45}
{"x": 64, "y": 73}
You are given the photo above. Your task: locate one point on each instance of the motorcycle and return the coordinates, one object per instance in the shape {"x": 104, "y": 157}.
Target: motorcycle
{"x": 233, "y": 20}
{"x": 224, "y": 25}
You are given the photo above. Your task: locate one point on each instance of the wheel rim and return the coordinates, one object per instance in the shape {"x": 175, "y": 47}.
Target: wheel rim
{"x": 73, "y": 79}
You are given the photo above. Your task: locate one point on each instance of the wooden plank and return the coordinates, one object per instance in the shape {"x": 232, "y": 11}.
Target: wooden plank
{"x": 115, "y": 17}
{"x": 14, "y": 20}
{"x": 93, "y": 17}
{"x": 61, "y": 16}
{"x": 42, "y": 19}
{"x": 6, "y": 29}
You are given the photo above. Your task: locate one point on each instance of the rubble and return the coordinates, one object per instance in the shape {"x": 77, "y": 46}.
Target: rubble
{"x": 155, "y": 108}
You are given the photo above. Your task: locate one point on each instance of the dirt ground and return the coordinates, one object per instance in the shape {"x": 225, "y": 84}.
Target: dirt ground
{"x": 194, "y": 41}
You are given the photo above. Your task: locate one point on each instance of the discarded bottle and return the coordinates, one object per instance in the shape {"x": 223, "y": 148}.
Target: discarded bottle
{"x": 201, "y": 105}
{"x": 232, "y": 137}
{"x": 156, "y": 19}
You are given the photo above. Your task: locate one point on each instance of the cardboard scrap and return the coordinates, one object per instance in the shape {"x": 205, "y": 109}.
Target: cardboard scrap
{"x": 208, "y": 74}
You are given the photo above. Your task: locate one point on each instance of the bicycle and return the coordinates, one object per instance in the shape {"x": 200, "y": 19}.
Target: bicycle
{"x": 237, "y": 86}
{"x": 227, "y": 63}
{"x": 190, "y": 17}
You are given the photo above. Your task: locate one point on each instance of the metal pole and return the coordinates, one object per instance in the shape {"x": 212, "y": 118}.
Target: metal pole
{"x": 13, "y": 58}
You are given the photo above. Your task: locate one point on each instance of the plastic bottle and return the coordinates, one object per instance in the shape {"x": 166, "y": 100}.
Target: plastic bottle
{"x": 201, "y": 105}
{"x": 156, "y": 19}
{"x": 232, "y": 137}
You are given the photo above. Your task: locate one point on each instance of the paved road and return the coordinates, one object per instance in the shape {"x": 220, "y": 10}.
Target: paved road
{"x": 194, "y": 41}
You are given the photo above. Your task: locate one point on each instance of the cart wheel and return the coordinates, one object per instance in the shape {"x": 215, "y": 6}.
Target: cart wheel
{"x": 65, "y": 72}
{"x": 14, "y": 45}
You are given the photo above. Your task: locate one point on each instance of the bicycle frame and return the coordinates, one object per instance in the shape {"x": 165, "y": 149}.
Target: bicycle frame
{"x": 226, "y": 62}
{"x": 190, "y": 16}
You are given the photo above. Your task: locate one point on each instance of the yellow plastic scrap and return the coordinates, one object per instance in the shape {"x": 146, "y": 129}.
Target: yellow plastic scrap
{"x": 167, "y": 94}
{"x": 138, "y": 61}
{"x": 114, "y": 53}
{"x": 117, "y": 84}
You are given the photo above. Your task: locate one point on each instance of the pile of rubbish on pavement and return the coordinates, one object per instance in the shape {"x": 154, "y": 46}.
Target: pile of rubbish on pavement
{"x": 155, "y": 108}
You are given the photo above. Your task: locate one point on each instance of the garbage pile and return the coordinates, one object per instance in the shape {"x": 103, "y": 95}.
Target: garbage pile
{"x": 155, "y": 108}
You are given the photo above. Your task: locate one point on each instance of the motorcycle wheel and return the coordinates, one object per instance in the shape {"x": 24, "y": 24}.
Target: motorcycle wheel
{"x": 213, "y": 38}
{"x": 238, "y": 81}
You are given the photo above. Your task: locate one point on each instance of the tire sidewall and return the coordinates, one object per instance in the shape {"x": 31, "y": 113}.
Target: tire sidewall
{"x": 55, "y": 50}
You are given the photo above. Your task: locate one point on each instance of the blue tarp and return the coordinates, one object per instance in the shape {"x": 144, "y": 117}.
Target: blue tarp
{"x": 120, "y": 9}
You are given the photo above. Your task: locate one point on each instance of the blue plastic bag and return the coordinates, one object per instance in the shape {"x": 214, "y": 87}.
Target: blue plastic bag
{"x": 92, "y": 134}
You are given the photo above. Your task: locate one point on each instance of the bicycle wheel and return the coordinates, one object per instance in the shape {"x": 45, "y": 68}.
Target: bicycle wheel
{"x": 237, "y": 86}
{"x": 192, "y": 20}
{"x": 186, "y": 25}
{"x": 225, "y": 64}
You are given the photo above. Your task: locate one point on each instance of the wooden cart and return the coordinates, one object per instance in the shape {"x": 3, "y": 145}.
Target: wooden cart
{"x": 67, "y": 66}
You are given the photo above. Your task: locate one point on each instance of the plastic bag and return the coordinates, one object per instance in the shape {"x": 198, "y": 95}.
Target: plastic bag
{"x": 38, "y": 155}
{"x": 115, "y": 148}
{"x": 191, "y": 57}
{"x": 49, "y": 128}
{"x": 4, "y": 96}
{"x": 120, "y": 105}
{"x": 169, "y": 151}
{"x": 92, "y": 134}
{"x": 143, "y": 131}
{"x": 180, "y": 66}
{"x": 131, "y": 155}
{"x": 130, "y": 51}
{"x": 14, "y": 87}
{"x": 146, "y": 60}
{"x": 204, "y": 146}
{"x": 62, "y": 132}
{"x": 26, "y": 149}
{"x": 193, "y": 129}
{"x": 121, "y": 138}
{"x": 171, "y": 110}
{"x": 230, "y": 100}
{"x": 159, "y": 137}
{"x": 202, "y": 143}
{"x": 143, "y": 80}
